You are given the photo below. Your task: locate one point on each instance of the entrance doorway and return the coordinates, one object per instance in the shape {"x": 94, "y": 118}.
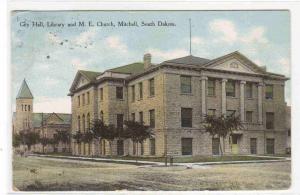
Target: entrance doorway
{"x": 235, "y": 146}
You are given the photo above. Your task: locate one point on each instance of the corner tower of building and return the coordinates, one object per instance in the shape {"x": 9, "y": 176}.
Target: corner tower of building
{"x": 24, "y": 107}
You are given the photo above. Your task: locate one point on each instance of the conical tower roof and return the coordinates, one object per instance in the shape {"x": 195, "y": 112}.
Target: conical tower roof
{"x": 24, "y": 92}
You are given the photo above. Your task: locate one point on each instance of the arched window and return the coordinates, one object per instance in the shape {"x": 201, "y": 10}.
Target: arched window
{"x": 28, "y": 107}
{"x": 83, "y": 123}
{"x": 88, "y": 120}
{"x": 78, "y": 123}
{"x": 25, "y": 107}
{"x": 101, "y": 115}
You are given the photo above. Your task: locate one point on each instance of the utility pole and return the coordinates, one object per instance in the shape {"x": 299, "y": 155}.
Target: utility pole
{"x": 190, "y": 36}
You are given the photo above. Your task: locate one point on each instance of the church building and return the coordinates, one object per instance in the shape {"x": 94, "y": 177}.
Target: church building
{"x": 46, "y": 124}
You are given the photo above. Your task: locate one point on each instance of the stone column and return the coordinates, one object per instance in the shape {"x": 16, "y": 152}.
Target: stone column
{"x": 242, "y": 100}
{"x": 203, "y": 95}
{"x": 259, "y": 102}
{"x": 224, "y": 96}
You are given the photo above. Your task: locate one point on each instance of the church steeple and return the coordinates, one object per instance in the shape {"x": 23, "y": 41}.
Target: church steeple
{"x": 24, "y": 108}
{"x": 24, "y": 92}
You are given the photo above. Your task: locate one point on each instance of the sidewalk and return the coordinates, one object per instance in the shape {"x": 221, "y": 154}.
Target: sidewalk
{"x": 140, "y": 162}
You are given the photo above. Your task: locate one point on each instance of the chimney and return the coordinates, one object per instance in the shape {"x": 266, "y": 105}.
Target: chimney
{"x": 147, "y": 60}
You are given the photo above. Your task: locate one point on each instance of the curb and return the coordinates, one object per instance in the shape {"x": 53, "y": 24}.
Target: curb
{"x": 282, "y": 159}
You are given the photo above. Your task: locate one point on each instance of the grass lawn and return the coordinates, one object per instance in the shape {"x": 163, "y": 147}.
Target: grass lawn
{"x": 46, "y": 174}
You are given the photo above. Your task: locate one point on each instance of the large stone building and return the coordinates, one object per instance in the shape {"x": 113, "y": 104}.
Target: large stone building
{"x": 46, "y": 124}
{"x": 174, "y": 96}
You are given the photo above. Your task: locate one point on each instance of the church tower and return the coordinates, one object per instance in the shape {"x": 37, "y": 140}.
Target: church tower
{"x": 24, "y": 108}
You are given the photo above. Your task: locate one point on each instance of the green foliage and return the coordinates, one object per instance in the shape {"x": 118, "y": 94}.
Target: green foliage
{"x": 221, "y": 126}
{"x": 16, "y": 140}
{"x": 87, "y": 137}
{"x": 63, "y": 136}
{"x": 29, "y": 138}
{"x": 77, "y": 137}
{"x": 136, "y": 131}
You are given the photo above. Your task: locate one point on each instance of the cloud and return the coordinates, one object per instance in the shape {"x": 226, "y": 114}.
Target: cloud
{"x": 285, "y": 66}
{"x": 48, "y": 105}
{"x": 85, "y": 38}
{"x": 53, "y": 38}
{"x": 258, "y": 62}
{"x": 114, "y": 42}
{"x": 167, "y": 55}
{"x": 256, "y": 34}
{"x": 77, "y": 64}
{"x": 225, "y": 29}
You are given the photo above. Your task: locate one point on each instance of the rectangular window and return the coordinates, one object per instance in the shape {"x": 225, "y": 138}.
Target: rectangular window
{"x": 249, "y": 116}
{"x": 101, "y": 94}
{"x": 230, "y": 113}
{"x": 119, "y": 93}
{"x": 152, "y": 118}
{"x": 253, "y": 145}
{"x": 78, "y": 100}
{"x": 248, "y": 90}
{"x": 211, "y": 112}
{"x": 230, "y": 88}
{"x": 151, "y": 87}
{"x": 88, "y": 97}
{"x": 211, "y": 87}
{"x": 186, "y": 117}
{"x": 133, "y": 93}
{"x": 141, "y": 90}
{"x": 120, "y": 121}
{"x": 186, "y": 84}
{"x": 269, "y": 91}
{"x": 141, "y": 117}
{"x": 83, "y": 99}
{"x": 270, "y": 120}
{"x": 187, "y": 146}
{"x": 133, "y": 116}
{"x": 142, "y": 148}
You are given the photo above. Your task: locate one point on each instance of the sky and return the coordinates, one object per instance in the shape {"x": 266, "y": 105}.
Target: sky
{"x": 48, "y": 57}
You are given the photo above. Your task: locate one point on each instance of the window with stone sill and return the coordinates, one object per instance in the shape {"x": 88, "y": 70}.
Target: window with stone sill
{"x": 230, "y": 113}
{"x": 83, "y": 99}
{"x": 152, "y": 118}
{"x": 270, "y": 120}
{"x": 211, "y": 87}
{"x": 119, "y": 93}
{"x": 248, "y": 91}
{"x": 186, "y": 117}
{"x": 88, "y": 97}
{"x": 269, "y": 92}
{"x": 133, "y": 116}
{"x": 101, "y": 94}
{"x": 133, "y": 93}
{"x": 141, "y": 117}
{"x": 186, "y": 84}
{"x": 151, "y": 87}
{"x": 230, "y": 88}
{"x": 141, "y": 90}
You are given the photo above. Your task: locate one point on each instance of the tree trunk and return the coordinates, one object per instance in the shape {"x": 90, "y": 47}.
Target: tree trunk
{"x": 223, "y": 144}
{"x": 220, "y": 145}
{"x": 110, "y": 146}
